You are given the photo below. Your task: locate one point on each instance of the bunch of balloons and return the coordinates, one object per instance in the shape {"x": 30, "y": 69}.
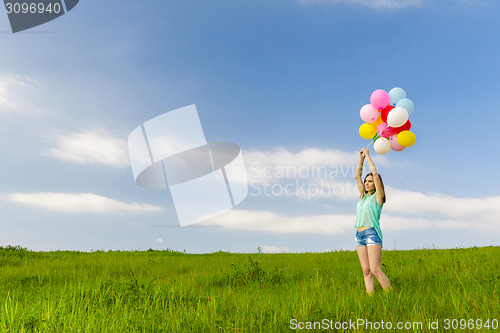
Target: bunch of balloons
{"x": 386, "y": 120}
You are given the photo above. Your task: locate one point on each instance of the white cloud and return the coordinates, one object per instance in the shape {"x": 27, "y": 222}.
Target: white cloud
{"x": 25, "y": 96}
{"x": 378, "y": 4}
{"x": 388, "y": 4}
{"x": 95, "y": 146}
{"x": 324, "y": 173}
{"x": 273, "y": 249}
{"x": 309, "y": 173}
{"x": 268, "y": 221}
{"x": 389, "y": 222}
{"x": 333, "y": 224}
{"x": 416, "y": 203}
{"x": 159, "y": 240}
{"x": 80, "y": 203}
{"x": 21, "y": 95}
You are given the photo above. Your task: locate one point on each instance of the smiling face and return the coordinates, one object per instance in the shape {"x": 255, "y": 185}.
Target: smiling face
{"x": 369, "y": 185}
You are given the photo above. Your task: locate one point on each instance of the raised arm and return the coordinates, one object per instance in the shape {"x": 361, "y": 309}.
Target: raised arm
{"x": 359, "y": 172}
{"x": 379, "y": 193}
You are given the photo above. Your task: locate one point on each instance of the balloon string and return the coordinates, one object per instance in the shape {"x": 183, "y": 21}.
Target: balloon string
{"x": 369, "y": 144}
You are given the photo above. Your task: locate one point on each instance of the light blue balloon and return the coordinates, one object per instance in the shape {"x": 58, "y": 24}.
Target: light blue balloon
{"x": 396, "y": 94}
{"x": 407, "y": 104}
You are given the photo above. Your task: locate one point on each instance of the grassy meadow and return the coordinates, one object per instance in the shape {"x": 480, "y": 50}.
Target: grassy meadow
{"x": 168, "y": 291}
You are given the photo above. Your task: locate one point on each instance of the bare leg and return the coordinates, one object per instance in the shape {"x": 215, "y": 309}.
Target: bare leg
{"x": 374, "y": 259}
{"x": 365, "y": 265}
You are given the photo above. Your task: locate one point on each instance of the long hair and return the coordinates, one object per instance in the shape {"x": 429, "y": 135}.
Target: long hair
{"x": 381, "y": 183}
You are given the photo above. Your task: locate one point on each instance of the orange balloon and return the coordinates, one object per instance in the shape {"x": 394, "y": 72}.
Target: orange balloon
{"x": 377, "y": 122}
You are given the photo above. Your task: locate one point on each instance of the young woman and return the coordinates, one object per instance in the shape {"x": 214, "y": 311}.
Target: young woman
{"x": 368, "y": 233}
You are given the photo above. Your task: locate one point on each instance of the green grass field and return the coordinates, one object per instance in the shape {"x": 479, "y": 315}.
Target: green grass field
{"x": 167, "y": 291}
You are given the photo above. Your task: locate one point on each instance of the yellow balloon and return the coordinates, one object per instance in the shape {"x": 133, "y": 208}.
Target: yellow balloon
{"x": 377, "y": 122}
{"x": 367, "y": 131}
{"x": 406, "y": 138}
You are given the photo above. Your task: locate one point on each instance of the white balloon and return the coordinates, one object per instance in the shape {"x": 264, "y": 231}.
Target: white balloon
{"x": 382, "y": 145}
{"x": 397, "y": 117}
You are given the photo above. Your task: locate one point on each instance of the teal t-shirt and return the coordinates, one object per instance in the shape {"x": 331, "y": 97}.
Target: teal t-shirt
{"x": 368, "y": 213}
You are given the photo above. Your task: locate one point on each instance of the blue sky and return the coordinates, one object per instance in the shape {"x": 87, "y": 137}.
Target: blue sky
{"x": 284, "y": 80}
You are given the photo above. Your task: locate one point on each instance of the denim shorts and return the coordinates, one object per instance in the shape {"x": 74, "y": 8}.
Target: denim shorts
{"x": 367, "y": 237}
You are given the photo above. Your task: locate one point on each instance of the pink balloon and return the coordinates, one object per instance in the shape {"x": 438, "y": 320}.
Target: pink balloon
{"x": 395, "y": 144}
{"x": 384, "y": 130}
{"x": 379, "y": 99}
{"x": 368, "y": 113}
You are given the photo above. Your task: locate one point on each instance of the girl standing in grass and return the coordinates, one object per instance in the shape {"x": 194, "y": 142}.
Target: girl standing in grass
{"x": 368, "y": 233}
